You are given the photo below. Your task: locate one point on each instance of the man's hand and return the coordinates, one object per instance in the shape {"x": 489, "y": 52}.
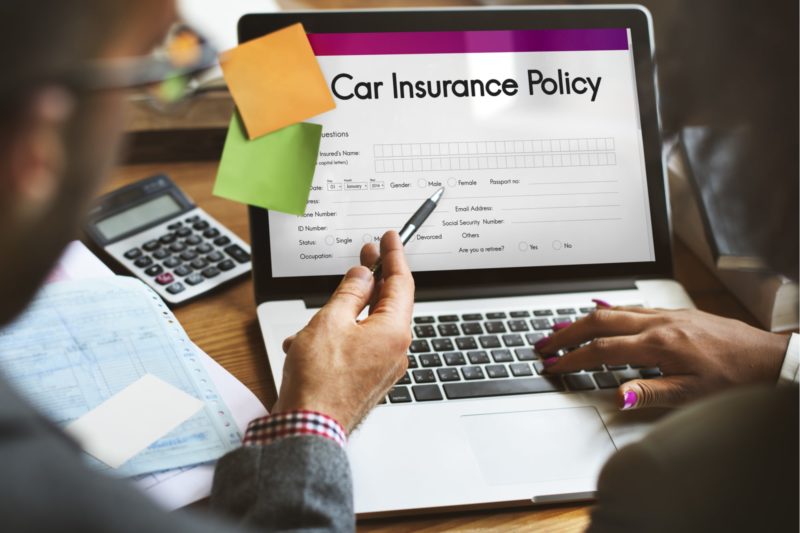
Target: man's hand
{"x": 341, "y": 367}
{"x": 698, "y": 353}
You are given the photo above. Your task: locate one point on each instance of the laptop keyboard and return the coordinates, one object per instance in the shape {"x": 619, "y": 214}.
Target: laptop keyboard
{"x": 479, "y": 355}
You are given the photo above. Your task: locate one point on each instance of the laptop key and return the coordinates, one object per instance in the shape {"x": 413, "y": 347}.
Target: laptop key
{"x": 586, "y": 310}
{"x": 520, "y": 369}
{"x": 495, "y": 316}
{"x": 650, "y": 373}
{"x": 617, "y": 367}
{"x": 495, "y": 327}
{"x": 502, "y": 356}
{"x": 419, "y": 345}
{"x": 423, "y": 376}
{"x": 478, "y": 357}
{"x": 399, "y": 395}
{"x": 448, "y": 318}
{"x": 427, "y": 393}
{"x": 454, "y": 358}
{"x": 538, "y": 366}
{"x": 519, "y": 314}
{"x": 448, "y": 330}
{"x": 424, "y": 320}
{"x": 443, "y": 345}
{"x": 496, "y": 371}
{"x": 517, "y": 325}
{"x": 472, "y": 372}
{"x": 503, "y": 387}
{"x": 405, "y": 380}
{"x": 513, "y": 340}
{"x": 427, "y": 360}
{"x": 525, "y": 354}
{"x": 466, "y": 343}
{"x": 471, "y": 317}
{"x": 448, "y": 374}
{"x": 489, "y": 341}
{"x": 533, "y": 338}
{"x": 543, "y": 312}
{"x": 540, "y": 323}
{"x": 472, "y": 328}
{"x": 565, "y": 311}
{"x": 605, "y": 380}
{"x": 424, "y": 331}
{"x": 579, "y": 381}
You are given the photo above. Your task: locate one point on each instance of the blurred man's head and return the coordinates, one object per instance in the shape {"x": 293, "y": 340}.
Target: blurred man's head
{"x": 57, "y": 140}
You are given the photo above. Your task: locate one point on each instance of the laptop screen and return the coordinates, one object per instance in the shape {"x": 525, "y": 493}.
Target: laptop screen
{"x": 534, "y": 134}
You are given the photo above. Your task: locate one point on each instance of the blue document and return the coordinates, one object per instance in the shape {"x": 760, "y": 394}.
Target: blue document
{"x": 83, "y": 341}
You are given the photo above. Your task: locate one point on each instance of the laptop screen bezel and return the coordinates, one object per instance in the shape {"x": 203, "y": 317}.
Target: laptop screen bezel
{"x": 269, "y": 288}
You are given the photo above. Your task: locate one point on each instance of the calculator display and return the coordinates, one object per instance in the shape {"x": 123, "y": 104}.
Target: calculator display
{"x": 141, "y": 215}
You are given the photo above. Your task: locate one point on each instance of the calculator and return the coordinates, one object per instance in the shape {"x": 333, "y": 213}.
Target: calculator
{"x": 156, "y": 232}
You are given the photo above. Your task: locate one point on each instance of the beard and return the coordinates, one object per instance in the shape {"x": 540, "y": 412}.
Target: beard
{"x": 91, "y": 143}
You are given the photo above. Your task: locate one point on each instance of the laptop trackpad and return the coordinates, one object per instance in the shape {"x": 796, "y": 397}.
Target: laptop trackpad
{"x": 536, "y": 446}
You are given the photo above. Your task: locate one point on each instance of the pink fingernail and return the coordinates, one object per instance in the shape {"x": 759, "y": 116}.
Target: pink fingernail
{"x": 558, "y": 326}
{"x": 601, "y": 303}
{"x": 630, "y": 398}
{"x": 550, "y": 361}
{"x": 541, "y": 343}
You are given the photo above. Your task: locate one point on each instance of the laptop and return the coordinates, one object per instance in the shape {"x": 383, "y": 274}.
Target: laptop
{"x": 542, "y": 126}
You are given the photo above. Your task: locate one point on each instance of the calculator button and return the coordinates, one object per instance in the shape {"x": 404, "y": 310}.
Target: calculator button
{"x": 167, "y": 238}
{"x": 177, "y": 247}
{"x": 199, "y": 263}
{"x": 161, "y": 253}
{"x": 143, "y": 262}
{"x": 151, "y": 245}
{"x": 183, "y": 232}
{"x": 194, "y": 279}
{"x": 214, "y": 257}
{"x": 172, "y": 262}
{"x": 175, "y": 288}
{"x": 236, "y": 251}
{"x": 200, "y": 225}
{"x": 133, "y": 253}
{"x": 222, "y": 241}
{"x": 154, "y": 270}
{"x": 183, "y": 270}
{"x": 188, "y": 255}
{"x": 226, "y": 265}
{"x": 211, "y": 233}
{"x": 203, "y": 248}
{"x": 175, "y": 225}
{"x": 210, "y": 272}
{"x": 164, "y": 279}
{"x": 191, "y": 219}
{"x": 194, "y": 239}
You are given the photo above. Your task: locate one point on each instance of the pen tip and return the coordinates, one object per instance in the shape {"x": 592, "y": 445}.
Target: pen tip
{"x": 437, "y": 195}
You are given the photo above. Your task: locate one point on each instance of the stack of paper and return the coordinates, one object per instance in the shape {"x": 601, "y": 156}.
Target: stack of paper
{"x": 95, "y": 351}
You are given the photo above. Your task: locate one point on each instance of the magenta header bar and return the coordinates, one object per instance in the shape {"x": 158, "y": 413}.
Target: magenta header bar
{"x": 467, "y": 42}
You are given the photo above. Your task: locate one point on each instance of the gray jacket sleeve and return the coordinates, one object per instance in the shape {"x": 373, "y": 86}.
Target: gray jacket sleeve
{"x": 296, "y": 484}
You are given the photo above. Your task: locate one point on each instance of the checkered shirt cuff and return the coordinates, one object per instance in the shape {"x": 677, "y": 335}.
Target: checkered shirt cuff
{"x": 267, "y": 429}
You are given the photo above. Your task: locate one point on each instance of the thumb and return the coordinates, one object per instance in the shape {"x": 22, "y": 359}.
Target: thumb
{"x": 662, "y": 392}
{"x": 352, "y": 294}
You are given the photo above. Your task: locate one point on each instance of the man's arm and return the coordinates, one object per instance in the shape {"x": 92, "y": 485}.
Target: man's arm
{"x": 292, "y": 472}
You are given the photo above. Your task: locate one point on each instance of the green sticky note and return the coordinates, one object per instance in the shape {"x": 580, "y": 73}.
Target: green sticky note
{"x": 273, "y": 171}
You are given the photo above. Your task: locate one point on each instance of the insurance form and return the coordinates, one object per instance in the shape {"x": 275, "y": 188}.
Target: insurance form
{"x": 534, "y": 134}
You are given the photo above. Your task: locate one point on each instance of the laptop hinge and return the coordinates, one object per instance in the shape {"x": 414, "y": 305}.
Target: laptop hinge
{"x": 427, "y": 294}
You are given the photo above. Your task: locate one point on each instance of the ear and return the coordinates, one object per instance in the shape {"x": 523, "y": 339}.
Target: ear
{"x": 35, "y": 153}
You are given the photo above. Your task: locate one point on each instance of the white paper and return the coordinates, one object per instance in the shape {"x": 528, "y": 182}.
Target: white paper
{"x": 78, "y": 262}
{"x": 176, "y": 488}
{"x": 132, "y": 420}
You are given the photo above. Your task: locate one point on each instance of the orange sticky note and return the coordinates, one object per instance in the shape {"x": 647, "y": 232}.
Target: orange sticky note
{"x": 275, "y": 81}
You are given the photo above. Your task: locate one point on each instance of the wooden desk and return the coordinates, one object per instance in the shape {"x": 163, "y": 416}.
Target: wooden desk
{"x": 224, "y": 325}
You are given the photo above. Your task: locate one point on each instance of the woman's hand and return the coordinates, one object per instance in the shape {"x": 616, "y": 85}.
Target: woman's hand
{"x": 698, "y": 353}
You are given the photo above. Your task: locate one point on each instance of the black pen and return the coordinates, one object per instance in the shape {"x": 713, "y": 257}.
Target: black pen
{"x": 414, "y": 223}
